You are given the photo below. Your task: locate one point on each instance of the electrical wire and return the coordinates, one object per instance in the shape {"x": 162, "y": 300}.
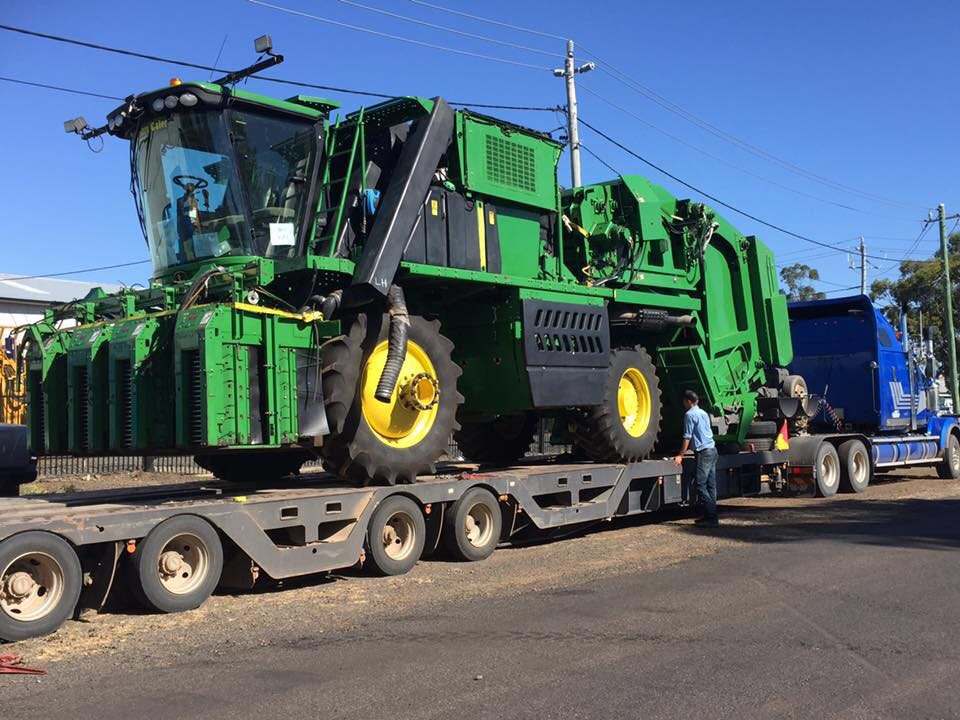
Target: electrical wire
{"x": 45, "y": 86}
{"x": 446, "y": 28}
{"x": 198, "y": 66}
{"x": 73, "y": 272}
{"x": 585, "y": 88}
{"x": 717, "y": 200}
{"x": 507, "y": 25}
{"x": 400, "y": 38}
{"x": 600, "y": 160}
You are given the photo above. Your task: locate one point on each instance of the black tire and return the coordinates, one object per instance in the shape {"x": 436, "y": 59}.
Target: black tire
{"x": 353, "y": 450}
{"x": 826, "y": 470}
{"x": 762, "y": 429}
{"x": 252, "y": 466}
{"x": 760, "y": 444}
{"x": 949, "y": 467}
{"x": 398, "y": 524}
{"x": 794, "y": 386}
{"x": 600, "y": 431}
{"x": 500, "y": 441}
{"x": 855, "y": 466}
{"x": 193, "y": 539}
{"x": 471, "y": 527}
{"x": 47, "y": 560}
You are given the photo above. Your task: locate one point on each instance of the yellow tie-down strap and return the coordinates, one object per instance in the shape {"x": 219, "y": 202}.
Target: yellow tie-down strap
{"x": 304, "y": 317}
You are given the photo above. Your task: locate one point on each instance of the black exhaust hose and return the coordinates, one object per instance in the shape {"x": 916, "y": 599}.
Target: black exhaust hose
{"x": 397, "y": 343}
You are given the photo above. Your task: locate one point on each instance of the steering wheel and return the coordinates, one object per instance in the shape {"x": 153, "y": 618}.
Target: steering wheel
{"x": 198, "y": 183}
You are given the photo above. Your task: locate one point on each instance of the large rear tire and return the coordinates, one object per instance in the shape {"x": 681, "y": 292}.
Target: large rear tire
{"x": 854, "y": 466}
{"x": 388, "y": 442}
{"x": 826, "y": 470}
{"x": 624, "y": 427}
{"x": 500, "y": 441}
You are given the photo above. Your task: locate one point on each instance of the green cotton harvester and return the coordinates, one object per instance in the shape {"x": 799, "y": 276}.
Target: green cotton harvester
{"x": 359, "y": 289}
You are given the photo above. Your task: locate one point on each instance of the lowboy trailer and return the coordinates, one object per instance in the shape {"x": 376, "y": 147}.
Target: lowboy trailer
{"x": 62, "y": 554}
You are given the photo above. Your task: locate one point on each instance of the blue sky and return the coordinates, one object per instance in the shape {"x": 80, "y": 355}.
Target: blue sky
{"x": 856, "y": 92}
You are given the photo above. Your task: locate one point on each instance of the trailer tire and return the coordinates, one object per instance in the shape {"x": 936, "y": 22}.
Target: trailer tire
{"x": 949, "y": 467}
{"x": 178, "y": 565}
{"x": 395, "y": 536}
{"x": 625, "y": 426}
{"x": 384, "y": 442}
{"x": 855, "y": 466}
{"x": 762, "y": 429}
{"x": 826, "y": 469}
{"x": 40, "y": 580}
{"x": 472, "y": 526}
{"x": 500, "y": 441}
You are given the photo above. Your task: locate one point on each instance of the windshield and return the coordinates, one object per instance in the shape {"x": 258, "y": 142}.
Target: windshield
{"x": 210, "y": 184}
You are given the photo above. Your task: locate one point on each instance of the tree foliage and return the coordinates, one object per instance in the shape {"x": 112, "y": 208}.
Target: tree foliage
{"x": 919, "y": 290}
{"x": 797, "y": 278}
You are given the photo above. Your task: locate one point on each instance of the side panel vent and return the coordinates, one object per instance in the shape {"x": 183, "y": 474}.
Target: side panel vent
{"x": 125, "y": 403}
{"x": 194, "y": 396}
{"x": 511, "y": 164}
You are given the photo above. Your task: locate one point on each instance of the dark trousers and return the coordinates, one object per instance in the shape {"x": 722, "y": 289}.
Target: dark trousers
{"x": 707, "y": 481}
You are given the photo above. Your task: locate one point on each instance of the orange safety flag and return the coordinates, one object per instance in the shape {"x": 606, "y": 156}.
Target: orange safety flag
{"x": 783, "y": 438}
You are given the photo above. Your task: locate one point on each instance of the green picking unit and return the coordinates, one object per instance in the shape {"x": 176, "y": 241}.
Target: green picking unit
{"x": 360, "y": 288}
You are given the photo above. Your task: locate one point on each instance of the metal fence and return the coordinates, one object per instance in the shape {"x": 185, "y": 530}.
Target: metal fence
{"x": 58, "y": 465}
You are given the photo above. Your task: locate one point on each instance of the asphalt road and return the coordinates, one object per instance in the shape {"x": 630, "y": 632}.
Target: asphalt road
{"x": 846, "y": 609}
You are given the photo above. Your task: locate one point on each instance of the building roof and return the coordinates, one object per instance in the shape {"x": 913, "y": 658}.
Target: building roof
{"x": 47, "y": 290}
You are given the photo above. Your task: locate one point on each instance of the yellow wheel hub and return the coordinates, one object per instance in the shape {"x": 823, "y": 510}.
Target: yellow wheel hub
{"x": 634, "y": 402}
{"x": 407, "y": 419}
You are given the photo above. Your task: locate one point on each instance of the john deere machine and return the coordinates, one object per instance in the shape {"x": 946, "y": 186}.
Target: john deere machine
{"x": 359, "y": 288}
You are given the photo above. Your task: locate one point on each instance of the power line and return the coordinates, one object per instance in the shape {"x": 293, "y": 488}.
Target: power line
{"x": 400, "y": 38}
{"x": 600, "y": 160}
{"x": 74, "y": 272}
{"x": 717, "y": 200}
{"x": 198, "y": 66}
{"x": 446, "y": 28}
{"x": 487, "y": 20}
{"x": 722, "y": 161}
{"x": 45, "y": 86}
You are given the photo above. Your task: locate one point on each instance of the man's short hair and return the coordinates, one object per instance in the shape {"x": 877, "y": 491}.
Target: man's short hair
{"x": 691, "y": 396}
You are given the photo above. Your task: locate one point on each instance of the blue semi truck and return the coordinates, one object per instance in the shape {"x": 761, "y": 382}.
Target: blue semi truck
{"x": 877, "y": 407}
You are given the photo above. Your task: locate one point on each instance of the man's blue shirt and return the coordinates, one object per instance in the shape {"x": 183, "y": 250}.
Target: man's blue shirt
{"x": 696, "y": 429}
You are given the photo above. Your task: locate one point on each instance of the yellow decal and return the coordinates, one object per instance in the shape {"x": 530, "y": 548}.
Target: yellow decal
{"x": 434, "y": 208}
{"x": 491, "y": 218}
{"x": 482, "y": 232}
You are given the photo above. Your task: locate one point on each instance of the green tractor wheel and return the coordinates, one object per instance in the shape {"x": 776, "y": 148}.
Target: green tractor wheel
{"x": 500, "y": 441}
{"x": 394, "y": 441}
{"x": 624, "y": 427}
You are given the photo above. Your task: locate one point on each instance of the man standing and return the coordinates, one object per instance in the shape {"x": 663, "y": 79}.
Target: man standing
{"x": 698, "y": 435}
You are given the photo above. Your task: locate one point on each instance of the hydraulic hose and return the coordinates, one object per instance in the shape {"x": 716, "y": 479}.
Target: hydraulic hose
{"x": 397, "y": 343}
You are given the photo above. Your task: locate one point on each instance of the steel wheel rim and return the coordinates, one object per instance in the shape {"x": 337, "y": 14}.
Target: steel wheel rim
{"x": 955, "y": 455}
{"x": 829, "y": 471}
{"x": 478, "y": 525}
{"x": 31, "y": 586}
{"x": 861, "y": 467}
{"x": 399, "y": 536}
{"x": 183, "y": 564}
{"x": 634, "y": 402}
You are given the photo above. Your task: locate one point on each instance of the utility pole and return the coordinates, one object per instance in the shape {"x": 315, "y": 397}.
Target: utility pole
{"x": 569, "y": 72}
{"x": 863, "y": 267}
{"x": 948, "y": 304}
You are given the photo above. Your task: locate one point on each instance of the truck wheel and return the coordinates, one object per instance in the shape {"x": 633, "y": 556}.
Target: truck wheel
{"x": 395, "y": 536}
{"x": 949, "y": 468}
{"x": 472, "y": 526}
{"x": 794, "y": 386}
{"x": 826, "y": 469}
{"x": 503, "y": 440}
{"x": 40, "y": 583}
{"x": 179, "y": 564}
{"x": 395, "y": 441}
{"x": 625, "y": 426}
{"x": 854, "y": 466}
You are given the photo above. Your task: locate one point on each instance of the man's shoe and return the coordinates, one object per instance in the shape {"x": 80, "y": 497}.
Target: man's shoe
{"x": 707, "y": 522}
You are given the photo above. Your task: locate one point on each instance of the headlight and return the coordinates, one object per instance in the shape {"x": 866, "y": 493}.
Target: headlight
{"x": 118, "y": 121}
{"x": 188, "y": 99}
{"x": 171, "y": 101}
{"x": 157, "y": 104}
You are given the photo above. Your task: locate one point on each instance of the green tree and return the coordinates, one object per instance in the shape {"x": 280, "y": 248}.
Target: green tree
{"x": 919, "y": 290}
{"x": 797, "y": 278}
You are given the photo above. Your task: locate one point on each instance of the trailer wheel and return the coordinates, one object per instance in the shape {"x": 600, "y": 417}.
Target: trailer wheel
{"x": 395, "y": 536}
{"x": 854, "y": 466}
{"x": 472, "y": 526}
{"x": 395, "y": 441}
{"x": 40, "y": 583}
{"x": 178, "y": 565}
{"x": 949, "y": 468}
{"x": 624, "y": 427}
{"x": 500, "y": 441}
{"x": 827, "y": 470}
